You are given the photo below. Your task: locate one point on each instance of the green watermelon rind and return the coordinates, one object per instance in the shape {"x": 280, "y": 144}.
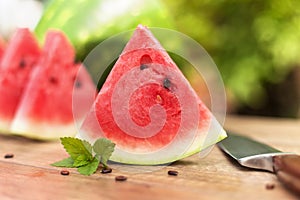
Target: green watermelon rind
{"x": 221, "y": 137}
{"x": 197, "y": 147}
{"x": 205, "y": 139}
{"x": 116, "y": 158}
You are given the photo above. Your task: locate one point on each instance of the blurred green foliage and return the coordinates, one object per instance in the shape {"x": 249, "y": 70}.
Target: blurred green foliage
{"x": 88, "y": 22}
{"x": 252, "y": 42}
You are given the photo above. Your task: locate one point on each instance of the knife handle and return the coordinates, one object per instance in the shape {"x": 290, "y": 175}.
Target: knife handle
{"x": 287, "y": 169}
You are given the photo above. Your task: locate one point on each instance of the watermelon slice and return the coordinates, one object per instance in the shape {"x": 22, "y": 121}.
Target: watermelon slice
{"x": 148, "y": 108}
{"x": 2, "y": 47}
{"x": 17, "y": 62}
{"x": 45, "y": 111}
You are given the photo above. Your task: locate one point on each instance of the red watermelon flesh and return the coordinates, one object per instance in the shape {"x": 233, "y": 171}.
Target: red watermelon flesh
{"x": 45, "y": 111}
{"x": 18, "y": 60}
{"x": 148, "y": 108}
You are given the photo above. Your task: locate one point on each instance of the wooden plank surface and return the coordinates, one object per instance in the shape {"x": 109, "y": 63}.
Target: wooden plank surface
{"x": 28, "y": 175}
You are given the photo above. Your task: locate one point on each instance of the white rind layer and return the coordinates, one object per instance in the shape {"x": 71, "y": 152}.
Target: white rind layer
{"x": 206, "y": 137}
{"x": 4, "y": 126}
{"x": 42, "y": 130}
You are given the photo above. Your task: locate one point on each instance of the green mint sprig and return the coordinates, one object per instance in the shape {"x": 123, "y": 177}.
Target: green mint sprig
{"x": 81, "y": 154}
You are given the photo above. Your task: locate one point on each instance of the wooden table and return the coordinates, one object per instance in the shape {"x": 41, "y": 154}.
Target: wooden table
{"x": 28, "y": 174}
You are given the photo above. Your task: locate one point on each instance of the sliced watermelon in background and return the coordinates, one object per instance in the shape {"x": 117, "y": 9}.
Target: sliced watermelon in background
{"x": 2, "y": 47}
{"x": 45, "y": 111}
{"x": 19, "y": 58}
{"x": 148, "y": 108}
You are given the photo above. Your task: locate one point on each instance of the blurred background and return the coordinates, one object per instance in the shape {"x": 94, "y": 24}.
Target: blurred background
{"x": 255, "y": 44}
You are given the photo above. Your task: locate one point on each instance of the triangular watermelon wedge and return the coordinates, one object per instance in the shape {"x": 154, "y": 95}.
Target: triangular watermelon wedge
{"x": 148, "y": 108}
{"x": 2, "y": 47}
{"x": 19, "y": 58}
{"x": 45, "y": 111}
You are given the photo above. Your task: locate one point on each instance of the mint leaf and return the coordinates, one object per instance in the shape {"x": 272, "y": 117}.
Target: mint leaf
{"x": 89, "y": 168}
{"x": 81, "y": 160}
{"x": 81, "y": 154}
{"x": 103, "y": 148}
{"x": 79, "y": 150}
{"x": 68, "y": 162}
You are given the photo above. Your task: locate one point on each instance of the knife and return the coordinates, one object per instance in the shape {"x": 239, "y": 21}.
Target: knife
{"x": 256, "y": 155}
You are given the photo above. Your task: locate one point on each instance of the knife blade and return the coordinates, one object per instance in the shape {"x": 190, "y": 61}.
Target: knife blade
{"x": 253, "y": 154}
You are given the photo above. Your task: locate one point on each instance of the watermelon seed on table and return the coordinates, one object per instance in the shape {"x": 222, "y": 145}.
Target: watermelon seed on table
{"x": 270, "y": 186}
{"x": 121, "y": 178}
{"x": 106, "y": 170}
{"x": 172, "y": 173}
{"x": 64, "y": 172}
{"x": 8, "y": 155}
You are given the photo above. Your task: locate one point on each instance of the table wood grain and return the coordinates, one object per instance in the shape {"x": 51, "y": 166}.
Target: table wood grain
{"x": 28, "y": 175}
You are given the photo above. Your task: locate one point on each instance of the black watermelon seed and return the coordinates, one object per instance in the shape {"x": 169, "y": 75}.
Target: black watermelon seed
{"x": 106, "y": 170}
{"x": 78, "y": 84}
{"x": 53, "y": 80}
{"x": 167, "y": 83}
{"x": 143, "y": 66}
{"x": 173, "y": 173}
{"x": 22, "y": 63}
{"x": 120, "y": 178}
{"x": 9, "y": 155}
{"x": 64, "y": 172}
